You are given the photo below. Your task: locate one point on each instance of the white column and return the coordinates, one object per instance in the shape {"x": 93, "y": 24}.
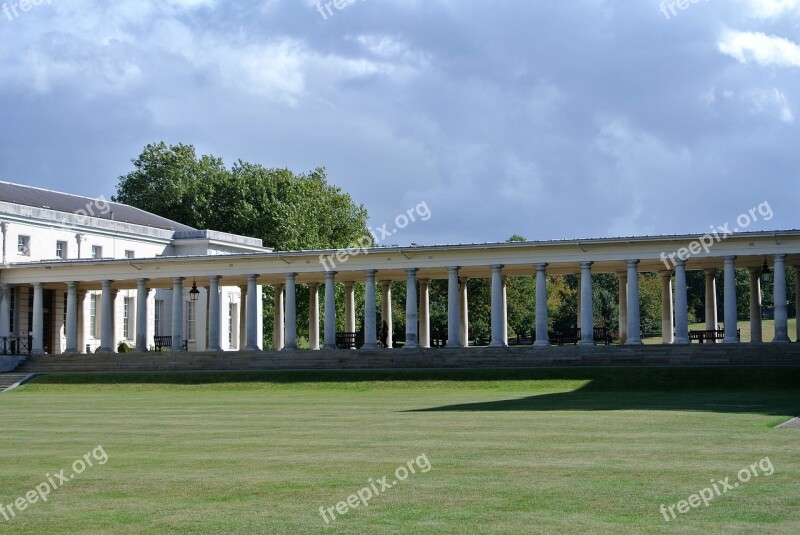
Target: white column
{"x": 587, "y": 309}
{"x": 243, "y": 317}
{"x": 106, "y": 319}
{"x": 5, "y": 310}
{"x": 634, "y": 317}
{"x": 681, "y": 304}
{"x": 623, "y": 307}
{"x": 497, "y": 306}
{"x": 81, "y": 320}
{"x": 781, "y": 314}
{"x": 667, "y": 333}
{"x": 797, "y": 302}
{"x": 412, "y": 338}
{"x": 313, "y": 316}
{"x": 505, "y": 311}
{"x": 37, "y": 329}
{"x": 463, "y": 309}
{"x": 278, "y": 320}
{"x": 424, "y": 314}
{"x": 756, "y": 331}
{"x": 291, "y": 312}
{"x": 330, "y": 310}
{"x": 370, "y": 329}
{"x": 349, "y": 307}
{"x": 71, "y": 327}
{"x": 578, "y": 306}
{"x": 251, "y": 336}
{"x": 453, "y": 312}
{"x": 141, "y": 315}
{"x": 386, "y": 310}
{"x": 731, "y": 325}
{"x": 214, "y": 314}
{"x": 542, "y": 325}
{"x": 711, "y": 299}
{"x": 177, "y": 314}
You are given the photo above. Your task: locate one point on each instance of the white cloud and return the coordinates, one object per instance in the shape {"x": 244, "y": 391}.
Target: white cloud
{"x": 771, "y": 9}
{"x": 764, "y": 49}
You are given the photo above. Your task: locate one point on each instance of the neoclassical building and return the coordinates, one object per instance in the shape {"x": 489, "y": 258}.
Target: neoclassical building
{"x": 51, "y": 230}
{"x": 128, "y": 275}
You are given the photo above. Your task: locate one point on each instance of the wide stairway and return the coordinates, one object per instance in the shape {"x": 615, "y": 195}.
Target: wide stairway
{"x": 474, "y": 357}
{"x": 7, "y": 380}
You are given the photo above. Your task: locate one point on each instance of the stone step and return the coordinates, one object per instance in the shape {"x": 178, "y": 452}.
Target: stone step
{"x": 524, "y": 356}
{"x": 8, "y": 380}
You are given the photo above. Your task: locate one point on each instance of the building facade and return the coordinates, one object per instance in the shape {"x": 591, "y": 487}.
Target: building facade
{"x": 52, "y": 229}
{"x": 96, "y": 301}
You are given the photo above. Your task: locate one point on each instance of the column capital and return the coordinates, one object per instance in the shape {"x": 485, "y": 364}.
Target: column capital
{"x": 779, "y": 256}
{"x": 214, "y": 279}
{"x": 453, "y": 269}
{"x": 680, "y": 263}
{"x": 252, "y": 278}
{"x": 666, "y": 274}
{"x": 178, "y": 280}
{"x": 497, "y": 267}
{"x": 372, "y": 272}
{"x": 291, "y": 276}
{"x": 732, "y": 258}
{"x": 586, "y": 265}
{"x": 710, "y": 271}
{"x": 330, "y": 275}
{"x": 757, "y": 270}
{"x": 542, "y": 267}
{"x": 632, "y": 263}
{"x": 428, "y": 281}
{"x": 349, "y": 284}
{"x": 412, "y": 271}
{"x": 72, "y": 285}
{"x": 313, "y": 285}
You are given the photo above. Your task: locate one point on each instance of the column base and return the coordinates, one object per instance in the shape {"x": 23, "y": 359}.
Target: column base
{"x": 730, "y": 341}
{"x": 586, "y": 343}
{"x": 681, "y": 342}
{"x": 71, "y": 351}
{"x": 781, "y": 340}
{"x": 252, "y": 348}
{"x": 631, "y": 342}
{"x": 542, "y": 343}
{"x": 412, "y": 345}
{"x": 498, "y": 344}
{"x": 330, "y": 346}
{"x": 104, "y": 350}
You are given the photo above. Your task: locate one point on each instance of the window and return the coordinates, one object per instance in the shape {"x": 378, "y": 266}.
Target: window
{"x": 97, "y": 251}
{"x": 157, "y": 313}
{"x": 93, "y": 307}
{"x": 24, "y": 245}
{"x": 61, "y": 250}
{"x": 190, "y": 319}
{"x": 127, "y": 304}
{"x": 130, "y": 254}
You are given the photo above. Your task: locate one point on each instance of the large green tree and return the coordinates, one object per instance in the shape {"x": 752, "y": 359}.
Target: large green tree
{"x": 287, "y": 211}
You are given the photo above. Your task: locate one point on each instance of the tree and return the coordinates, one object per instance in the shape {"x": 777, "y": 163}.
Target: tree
{"x": 287, "y": 211}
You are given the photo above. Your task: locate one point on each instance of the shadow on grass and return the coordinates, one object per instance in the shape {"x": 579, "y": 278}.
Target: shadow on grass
{"x": 769, "y": 402}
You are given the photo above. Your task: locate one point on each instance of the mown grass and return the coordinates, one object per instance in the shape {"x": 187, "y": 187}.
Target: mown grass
{"x": 511, "y": 451}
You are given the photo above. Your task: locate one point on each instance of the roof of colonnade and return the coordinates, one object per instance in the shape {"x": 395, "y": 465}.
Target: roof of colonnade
{"x": 519, "y": 258}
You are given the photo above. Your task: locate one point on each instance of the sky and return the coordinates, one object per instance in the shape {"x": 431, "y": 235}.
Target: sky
{"x": 550, "y": 119}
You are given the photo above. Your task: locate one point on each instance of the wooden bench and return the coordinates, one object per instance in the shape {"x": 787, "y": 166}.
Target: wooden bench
{"x": 600, "y": 335}
{"x": 349, "y": 340}
{"x": 711, "y": 335}
{"x": 160, "y": 342}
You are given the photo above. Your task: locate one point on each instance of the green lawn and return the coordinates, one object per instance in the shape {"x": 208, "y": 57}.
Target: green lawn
{"x": 518, "y": 451}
